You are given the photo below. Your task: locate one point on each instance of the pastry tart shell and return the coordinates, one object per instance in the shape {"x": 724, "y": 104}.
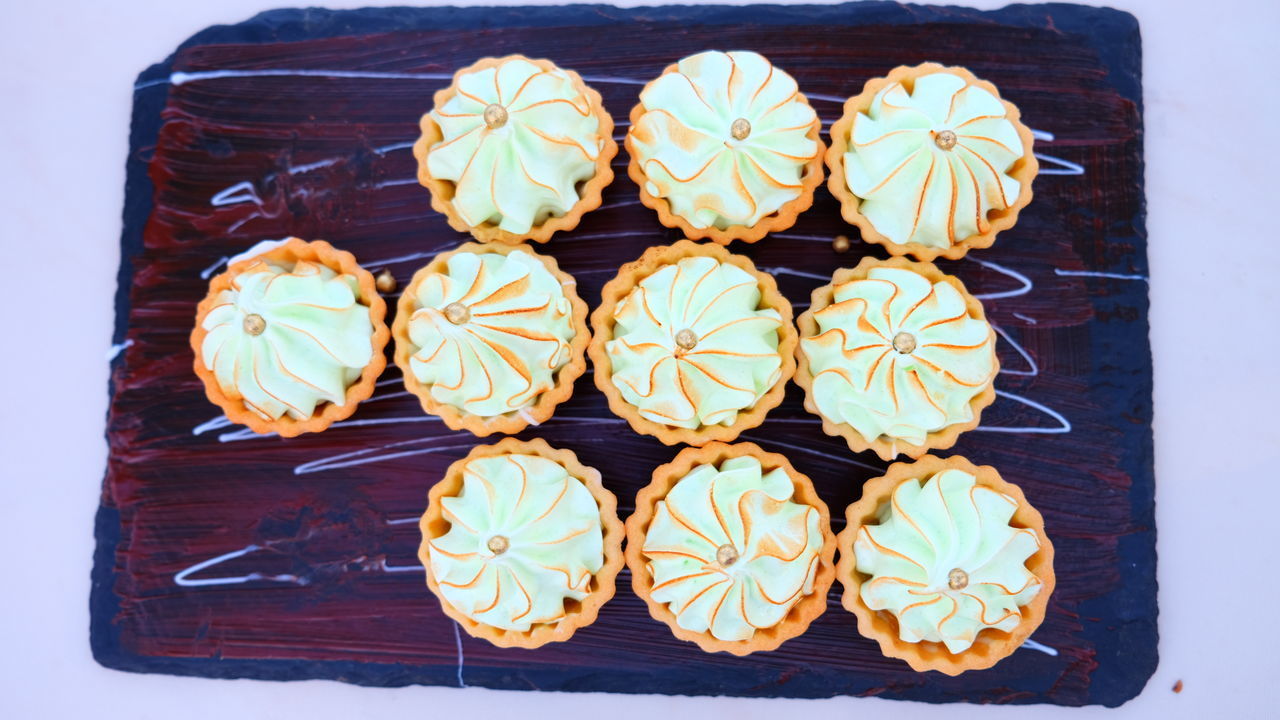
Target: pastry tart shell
{"x": 991, "y": 645}
{"x": 665, "y": 477}
{"x": 888, "y": 448}
{"x": 602, "y": 323}
{"x": 292, "y": 251}
{"x": 1023, "y": 170}
{"x": 442, "y": 191}
{"x": 577, "y": 613}
{"x": 781, "y": 219}
{"x": 512, "y": 422}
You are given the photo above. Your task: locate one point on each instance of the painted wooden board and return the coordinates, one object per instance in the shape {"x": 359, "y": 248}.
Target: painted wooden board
{"x": 224, "y": 554}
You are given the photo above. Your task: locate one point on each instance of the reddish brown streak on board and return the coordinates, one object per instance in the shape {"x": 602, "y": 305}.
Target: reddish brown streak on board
{"x": 185, "y": 498}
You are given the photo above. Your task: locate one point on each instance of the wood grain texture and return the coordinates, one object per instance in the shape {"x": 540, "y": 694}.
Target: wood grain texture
{"x": 227, "y": 155}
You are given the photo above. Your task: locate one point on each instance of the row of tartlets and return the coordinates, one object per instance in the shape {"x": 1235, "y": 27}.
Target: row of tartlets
{"x": 690, "y": 344}
{"x": 928, "y": 161}
{"x": 945, "y": 564}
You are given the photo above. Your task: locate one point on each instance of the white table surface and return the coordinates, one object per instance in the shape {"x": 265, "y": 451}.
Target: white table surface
{"x": 1213, "y": 187}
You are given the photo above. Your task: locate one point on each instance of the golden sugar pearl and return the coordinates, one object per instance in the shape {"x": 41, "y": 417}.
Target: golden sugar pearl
{"x": 495, "y": 116}
{"x": 498, "y": 544}
{"x": 904, "y": 342}
{"x": 957, "y": 579}
{"x": 457, "y": 313}
{"x": 686, "y": 339}
{"x": 254, "y": 324}
{"x": 840, "y": 244}
{"x": 726, "y": 555}
{"x": 740, "y": 129}
{"x": 385, "y": 282}
{"x": 945, "y": 139}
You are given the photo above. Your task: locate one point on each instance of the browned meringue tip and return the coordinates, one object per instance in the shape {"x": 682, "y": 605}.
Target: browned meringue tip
{"x": 887, "y": 449}
{"x": 442, "y": 191}
{"x": 578, "y": 614}
{"x": 664, "y": 479}
{"x": 1024, "y": 170}
{"x": 991, "y": 645}
{"x": 292, "y": 251}
{"x": 508, "y": 423}
{"x": 602, "y": 324}
{"x": 781, "y": 219}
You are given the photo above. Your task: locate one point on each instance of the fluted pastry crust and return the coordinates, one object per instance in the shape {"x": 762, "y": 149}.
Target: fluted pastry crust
{"x": 601, "y": 587}
{"x": 780, "y": 219}
{"x": 545, "y": 403}
{"x": 292, "y": 251}
{"x": 1023, "y": 170}
{"x": 665, "y": 477}
{"x": 991, "y": 645}
{"x": 888, "y": 448}
{"x": 443, "y": 190}
{"x": 603, "y": 324}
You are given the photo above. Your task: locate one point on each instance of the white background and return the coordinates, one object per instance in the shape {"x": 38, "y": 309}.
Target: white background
{"x": 1213, "y": 189}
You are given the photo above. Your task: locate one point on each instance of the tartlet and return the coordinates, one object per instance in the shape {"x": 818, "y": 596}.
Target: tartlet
{"x": 289, "y": 340}
{"x": 898, "y": 199}
{"x": 996, "y": 552}
{"x": 896, "y": 357}
{"x": 692, "y": 344}
{"x": 732, "y": 548}
{"x": 519, "y": 511}
{"x": 725, "y": 147}
{"x": 515, "y": 150}
{"x": 491, "y": 337}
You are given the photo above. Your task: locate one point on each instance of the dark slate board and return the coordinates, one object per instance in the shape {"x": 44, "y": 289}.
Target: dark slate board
{"x": 219, "y": 160}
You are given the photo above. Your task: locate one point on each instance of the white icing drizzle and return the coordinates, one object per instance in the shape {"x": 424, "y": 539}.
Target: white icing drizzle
{"x": 1090, "y": 273}
{"x": 214, "y": 424}
{"x": 1065, "y": 426}
{"x": 241, "y": 192}
{"x": 183, "y": 577}
{"x": 1033, "y": 645}
{"x": 1027, "y": 285}
{"x": 208, "y": 272}
{"x": 457, "y": 639}
{"x": 115, "y": 350}
{"x": 1033, "y": 369}
{"x": 1061, "y": 167}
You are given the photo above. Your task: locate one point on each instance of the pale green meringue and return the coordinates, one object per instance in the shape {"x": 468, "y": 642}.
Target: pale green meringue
{"x": 525, "y": 169}
{"x": 730, "y": 552}
{"x": 724, "y": 139}
{"x": 729, "y": 358}
{"x": 286, "y": 339}
{"x": 525, "y": 536}
{"x": 505, "y": 350}
{"x": 945, "y": 561}
{"x": 862, "y": 378}
{"x": 915, "y": 185}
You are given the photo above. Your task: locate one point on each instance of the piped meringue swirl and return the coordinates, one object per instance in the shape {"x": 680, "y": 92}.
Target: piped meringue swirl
{"x": 724, "y": 139}
{"x": 286, "y": 338}
{"x": 517, "y": 140}
{"x": 525, "y": 537}
{"x": 898, "y": 356}
{"x": 930, "y": 162}
{"x": 730, "y": 552}
{"x": 691, "y": 345}
{"x": 945, "y": 561}
{"x": 490, "y": 332}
